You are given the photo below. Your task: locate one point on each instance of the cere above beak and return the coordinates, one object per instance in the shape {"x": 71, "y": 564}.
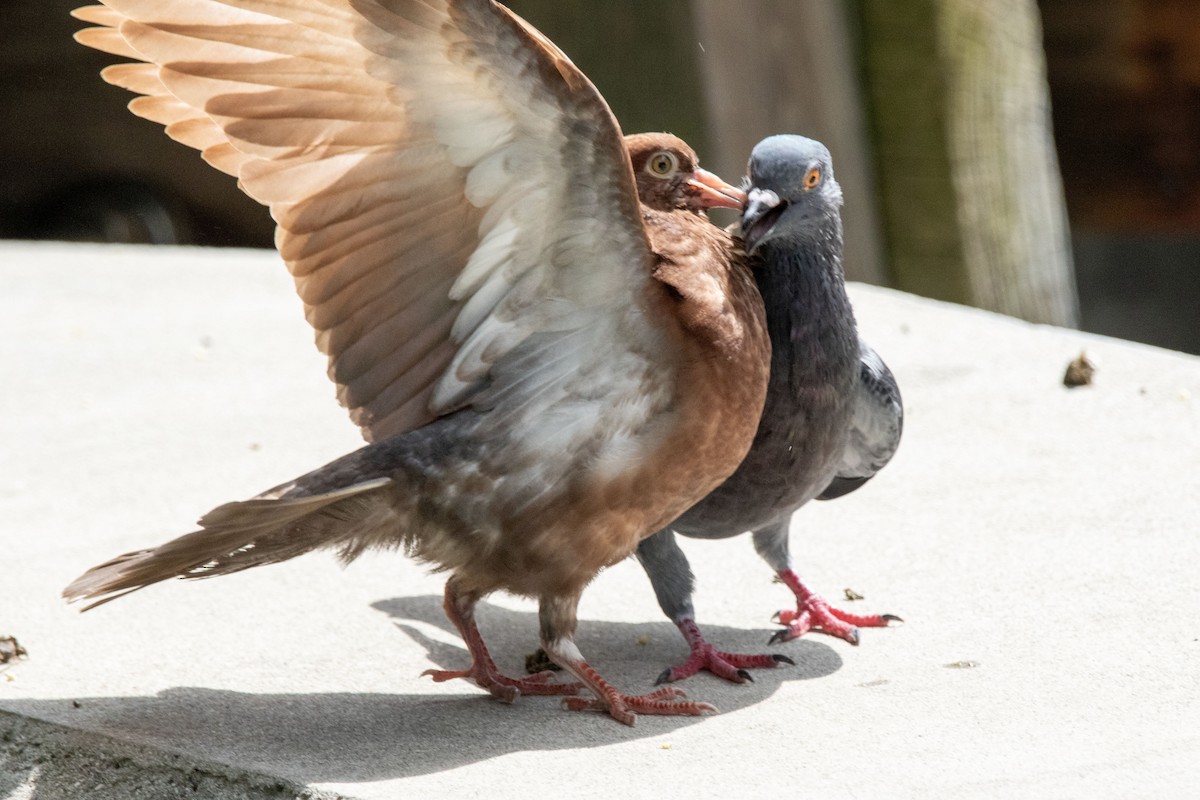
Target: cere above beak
{"x": 763, "y": 209}
{"x": 709, "y": 191}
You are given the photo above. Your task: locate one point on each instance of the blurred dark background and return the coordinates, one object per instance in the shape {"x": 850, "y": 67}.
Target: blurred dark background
{"x": 1122, "y": 78}
{"x": 1125, "y": 88}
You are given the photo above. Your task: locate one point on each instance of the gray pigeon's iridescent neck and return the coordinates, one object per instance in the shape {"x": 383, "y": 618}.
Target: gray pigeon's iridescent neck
{"x": 814, "y": 367}
{"x": 809, "y": 317}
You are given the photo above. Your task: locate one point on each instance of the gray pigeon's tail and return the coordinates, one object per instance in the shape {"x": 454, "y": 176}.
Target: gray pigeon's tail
{"x": 237, "y": 536}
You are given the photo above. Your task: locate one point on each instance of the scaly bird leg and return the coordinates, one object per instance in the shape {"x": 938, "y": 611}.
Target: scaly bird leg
{"x": 558, "y": 628}
{"x": 813, "y": 613}
{"x": 460, "y": 608}
{"x": 730, "y": 666}
{"x": 673, "y": 582}
{"x": 624, "y": 708}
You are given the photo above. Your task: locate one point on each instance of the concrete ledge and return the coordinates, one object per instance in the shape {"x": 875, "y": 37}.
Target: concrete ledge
{"x": 52, "y": 762}
{"x": 1047, "y": 537}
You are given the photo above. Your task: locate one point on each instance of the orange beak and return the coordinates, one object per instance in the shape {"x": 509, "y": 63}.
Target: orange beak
{"x": 709, "y": 191}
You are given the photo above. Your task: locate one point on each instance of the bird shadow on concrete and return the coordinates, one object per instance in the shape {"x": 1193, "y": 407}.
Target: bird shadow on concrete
{"x": 348, "y": 737}
{"x": 630, "y": 655}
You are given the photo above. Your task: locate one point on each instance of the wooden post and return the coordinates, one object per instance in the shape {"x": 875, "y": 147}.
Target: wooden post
{"x": 783, "y": 66}
{"x": 971, "y": 193}
{"x": 641, "y": 56}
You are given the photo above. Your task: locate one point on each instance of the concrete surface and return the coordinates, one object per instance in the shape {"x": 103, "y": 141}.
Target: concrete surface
{"x": 1041, "y": 544}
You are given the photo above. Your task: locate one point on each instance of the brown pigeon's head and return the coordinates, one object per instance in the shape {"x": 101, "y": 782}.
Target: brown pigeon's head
{"x": 668, "y": 177}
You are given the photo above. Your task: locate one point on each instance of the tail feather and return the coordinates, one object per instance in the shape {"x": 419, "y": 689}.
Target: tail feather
{"x": 237, "y": 536}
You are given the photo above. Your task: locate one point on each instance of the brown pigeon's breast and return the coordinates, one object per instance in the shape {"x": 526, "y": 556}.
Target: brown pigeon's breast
{"x": 576, "y": 504}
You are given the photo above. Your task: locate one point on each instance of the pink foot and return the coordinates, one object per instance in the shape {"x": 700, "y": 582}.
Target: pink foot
{"x": 503, "y": 687}
{"x": 813, "y": 613}
{"x": 664, "y": 702}
{"x": 730, "y": 666}
{"x": 460, "y": 608}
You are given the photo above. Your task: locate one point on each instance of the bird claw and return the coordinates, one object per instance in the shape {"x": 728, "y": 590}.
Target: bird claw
{"x": 730, "y": 666}
{"x": 545, "y": 676}
{"x": 504, "y": 688}
{"x": 666, "y": 702}
{"x": 813, "y": 613}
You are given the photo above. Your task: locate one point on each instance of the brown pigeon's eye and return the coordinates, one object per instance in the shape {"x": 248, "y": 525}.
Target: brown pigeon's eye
{"x": 662, "y": 163}
{"x": 812, "y": 178}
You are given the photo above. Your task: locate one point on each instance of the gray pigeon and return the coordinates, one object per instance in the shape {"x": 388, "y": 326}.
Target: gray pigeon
{"x": 833, "y": 413}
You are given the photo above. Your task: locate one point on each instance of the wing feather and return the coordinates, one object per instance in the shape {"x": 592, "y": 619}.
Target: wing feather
{"x": 875, "y": 428}
{"x": 443, "y": 216}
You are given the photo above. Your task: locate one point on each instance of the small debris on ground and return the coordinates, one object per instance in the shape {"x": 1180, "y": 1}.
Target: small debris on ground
{"x": 10, "y": 649}
{"x": 965, "y": 664}
{"x": 853, "y": 595}
{"x": 540, "y": 662}
{"x": 643, "y": 640}
{"x": 1079, "y": 372}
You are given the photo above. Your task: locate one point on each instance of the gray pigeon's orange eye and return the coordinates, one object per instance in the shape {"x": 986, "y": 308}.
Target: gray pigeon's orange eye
{"x": 812, "y": 178}
{"x": 662, "y": 163}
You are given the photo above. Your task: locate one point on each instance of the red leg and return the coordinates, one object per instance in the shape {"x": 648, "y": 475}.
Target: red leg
{"x": 461, "y": 611}
{"x": 814, "y": 613}
{"x": 667, "y": 701}
{"x": 730, "y": 666}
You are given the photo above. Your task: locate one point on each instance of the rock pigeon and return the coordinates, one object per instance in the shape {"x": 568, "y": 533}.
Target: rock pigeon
{"x": 833, "y": 414}
{"x": 526, "y": 346}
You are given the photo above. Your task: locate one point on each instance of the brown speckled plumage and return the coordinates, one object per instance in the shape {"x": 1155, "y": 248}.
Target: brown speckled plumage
{"x": 527, "y": 347}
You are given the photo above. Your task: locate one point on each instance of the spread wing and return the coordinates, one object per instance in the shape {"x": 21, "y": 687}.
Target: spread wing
{"x": 875, "y": 428}
{"x": 449, "y": 188}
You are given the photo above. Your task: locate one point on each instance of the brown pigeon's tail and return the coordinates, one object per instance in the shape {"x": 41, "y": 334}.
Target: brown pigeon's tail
{"x": 237, "y": 536}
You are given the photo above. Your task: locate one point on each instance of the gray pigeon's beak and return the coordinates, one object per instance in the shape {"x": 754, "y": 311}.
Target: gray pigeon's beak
{"x": 763, "y": 209}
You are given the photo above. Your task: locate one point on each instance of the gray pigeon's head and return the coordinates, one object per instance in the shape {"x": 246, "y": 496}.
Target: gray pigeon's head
{"x": 791, "y": 189}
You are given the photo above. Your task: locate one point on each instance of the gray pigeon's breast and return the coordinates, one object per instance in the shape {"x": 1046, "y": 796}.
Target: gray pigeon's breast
{"x": 795, "y": 455}
{"x": 806, "y": 420}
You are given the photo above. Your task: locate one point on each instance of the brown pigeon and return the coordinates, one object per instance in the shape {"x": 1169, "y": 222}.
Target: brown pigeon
{"x": 526, "y": 346}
